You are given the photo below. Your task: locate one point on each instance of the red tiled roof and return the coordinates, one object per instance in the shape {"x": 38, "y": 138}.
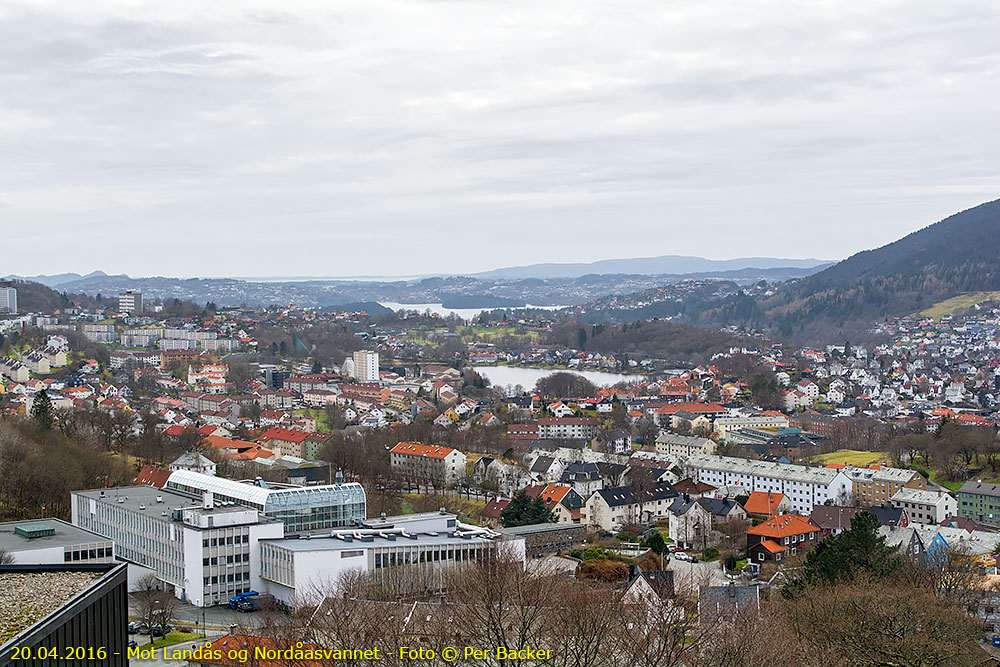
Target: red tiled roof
{"x": 773, "y": 546}
{"x": 286, "y": 434}
{"x": 417, "y": 449}
{"x": 784, "y": 525}
{"x": 152, "y": 476}
{"x": 494, "y": 507}
{"x": 761, "y": 502}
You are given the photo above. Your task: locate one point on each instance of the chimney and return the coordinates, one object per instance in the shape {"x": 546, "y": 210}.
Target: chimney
{"x": 207, "y": 500}
{"x": 442, "y": 510}
{"x": 340, "y": 477}
{"x": 732, "y": 589}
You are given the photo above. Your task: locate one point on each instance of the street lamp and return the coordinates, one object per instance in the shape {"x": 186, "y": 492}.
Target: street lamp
{"x": 152, "y": 619}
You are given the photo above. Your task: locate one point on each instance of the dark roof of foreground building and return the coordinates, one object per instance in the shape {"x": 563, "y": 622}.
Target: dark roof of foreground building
{"x": 717, "y": 602}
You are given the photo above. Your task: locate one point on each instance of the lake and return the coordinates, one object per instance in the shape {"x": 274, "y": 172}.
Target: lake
{"x": 440, "y": 310}
{"x": 501, "y": 376}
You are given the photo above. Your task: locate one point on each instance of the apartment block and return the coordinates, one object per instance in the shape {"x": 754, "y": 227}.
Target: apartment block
{"x": 805, "y": 486}
{"x": 873, "y": 486}
{"x": 440, "y": 465}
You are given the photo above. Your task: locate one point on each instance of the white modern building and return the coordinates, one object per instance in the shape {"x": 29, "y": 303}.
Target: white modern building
{"x": 100, "y": 333}
{"x": 309, "y": 567}
{"x": 805, "y": 486}
{"x": 923, "y": 506}
{"x": 365, "y": 366}
{"x": 50, "y": 541}
{"x": 299, "y": 508}
{"x": 8, "y": 300}
{"x": 202, "y": 552}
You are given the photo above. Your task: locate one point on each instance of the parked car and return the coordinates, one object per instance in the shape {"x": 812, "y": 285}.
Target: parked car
{"x": 687, "y": 558}
{"x": 160, "y": 630}
{"x": 132, "y": 644}
{"x": 133, "y": 627}
{"x": 143, "y": 629}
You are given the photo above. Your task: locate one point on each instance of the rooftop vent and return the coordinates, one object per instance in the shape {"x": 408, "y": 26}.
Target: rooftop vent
{"x": 34, "y": 530}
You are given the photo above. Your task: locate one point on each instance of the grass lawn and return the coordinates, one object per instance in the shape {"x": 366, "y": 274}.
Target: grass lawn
{"x": 853, "y": 457}
{"x": 173, "y": 638}
{"x": 949, "y": 306}
{"x": 318, "y": 415}
{"x": 467, "y": 509}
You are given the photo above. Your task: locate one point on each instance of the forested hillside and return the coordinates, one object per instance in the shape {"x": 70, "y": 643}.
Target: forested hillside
{"x": 956, "y": 255}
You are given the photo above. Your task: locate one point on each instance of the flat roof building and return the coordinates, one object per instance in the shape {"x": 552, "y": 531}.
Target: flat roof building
{"x": 299, "y": 508}
{"x": 297, "y": 569}
{"x": 200, "y": 551}
{"x": 49, "y": 541}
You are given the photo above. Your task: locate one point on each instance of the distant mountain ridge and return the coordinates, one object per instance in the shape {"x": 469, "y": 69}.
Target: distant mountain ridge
{"x": 58, "y": 279}
{"x": 662, "y": 265}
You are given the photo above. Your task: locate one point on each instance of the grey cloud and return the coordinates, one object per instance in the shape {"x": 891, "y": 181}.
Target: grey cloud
{"x": 644, "y": 127}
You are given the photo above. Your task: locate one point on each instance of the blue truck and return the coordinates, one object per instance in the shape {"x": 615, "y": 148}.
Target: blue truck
{"x": 251, "y": 601}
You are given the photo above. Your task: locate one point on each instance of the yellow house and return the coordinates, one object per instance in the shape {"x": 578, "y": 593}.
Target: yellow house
{"x": 452, "y": 415}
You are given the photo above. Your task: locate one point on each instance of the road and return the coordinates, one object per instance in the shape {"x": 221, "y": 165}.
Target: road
{"x": 218, "y": 620}
{"x": 219, "y": 617}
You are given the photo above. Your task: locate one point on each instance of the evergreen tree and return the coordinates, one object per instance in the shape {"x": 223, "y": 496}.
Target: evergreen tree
{"x": 655, "y": 543}
{"x": 317, "y": 366}
{"x": 522, "y": 510}
{"x": 515, "y": 510}
{"x": 41, "y": 410}
{"x": 839, "y": 558}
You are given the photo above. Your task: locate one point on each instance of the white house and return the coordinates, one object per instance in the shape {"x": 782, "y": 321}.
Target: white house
{"x": 923, "y": 506}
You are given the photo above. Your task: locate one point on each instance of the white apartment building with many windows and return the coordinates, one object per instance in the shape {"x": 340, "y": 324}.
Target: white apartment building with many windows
{"x": 805, "y": 486}
{"x": 365, "y": 366}
{"x": 8, "y": 300}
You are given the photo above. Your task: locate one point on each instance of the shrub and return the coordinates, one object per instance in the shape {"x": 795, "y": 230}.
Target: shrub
{"x": 602, "y": 570}
{"x": 710, "y": 553}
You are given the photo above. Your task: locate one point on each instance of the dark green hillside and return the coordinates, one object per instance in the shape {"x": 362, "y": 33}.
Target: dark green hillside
{"x": 956, "y": 255}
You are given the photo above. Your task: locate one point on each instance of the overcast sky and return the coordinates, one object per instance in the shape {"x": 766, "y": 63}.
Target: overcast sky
{"x": 235, "y": 137}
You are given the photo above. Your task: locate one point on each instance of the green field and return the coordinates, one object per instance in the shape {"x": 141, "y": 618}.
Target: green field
{"x": 960, "y": 302}
{"x": 467, "y": 509}
{"x": 851, "y": 457}
{"x": 318, "y": 415}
